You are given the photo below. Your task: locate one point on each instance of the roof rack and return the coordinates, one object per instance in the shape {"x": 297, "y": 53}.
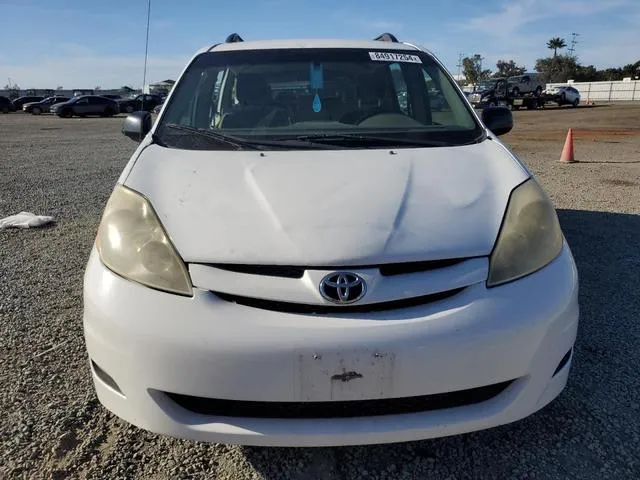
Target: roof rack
{"x": 233, "y": 38}
{"x": 386, "y": 37}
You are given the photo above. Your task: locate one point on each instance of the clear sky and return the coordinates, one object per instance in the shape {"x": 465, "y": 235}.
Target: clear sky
{"x": 86, "y": 43}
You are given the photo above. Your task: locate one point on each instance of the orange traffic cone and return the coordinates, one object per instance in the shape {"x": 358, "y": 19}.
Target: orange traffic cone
{"x": 567, "y": 151}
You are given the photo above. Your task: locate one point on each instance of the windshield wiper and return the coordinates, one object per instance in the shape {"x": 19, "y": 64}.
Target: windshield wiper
{"x": 243, "y": 143}
{"x": 351, "y": 138}
{"x": 214, "y": 136}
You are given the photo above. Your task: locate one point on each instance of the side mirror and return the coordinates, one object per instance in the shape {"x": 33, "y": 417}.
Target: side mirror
{"x": 137, "y": 125}
{"x": 498, "y": 119}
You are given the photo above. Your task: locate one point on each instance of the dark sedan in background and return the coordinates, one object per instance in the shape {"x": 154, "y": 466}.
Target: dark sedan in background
{"x": 86, "y": 105}
{"x": 6, "y": 106}
{"x": 44, "y": 106}
{"x": 145, "y": 102}
{"x": 20, "y": 101}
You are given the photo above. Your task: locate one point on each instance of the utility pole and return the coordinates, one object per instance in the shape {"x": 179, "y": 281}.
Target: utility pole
{"x": 460, "y": 57}
{"x": 574, "y": 42}
{"x": 146, "y": 52}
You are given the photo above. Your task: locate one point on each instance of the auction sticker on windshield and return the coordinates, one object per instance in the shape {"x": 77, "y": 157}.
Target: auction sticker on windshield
{"x": 394, "y": 57}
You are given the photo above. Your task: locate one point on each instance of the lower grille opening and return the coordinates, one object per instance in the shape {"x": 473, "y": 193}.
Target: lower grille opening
{"x": 338, "y": 409}
{"x": 563, "y": 362}
{"x": 306, "y": 309}
{"x": 105, "y": 378}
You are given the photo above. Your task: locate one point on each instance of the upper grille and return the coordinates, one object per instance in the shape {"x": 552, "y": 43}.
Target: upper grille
{"x": 387, "y": 269}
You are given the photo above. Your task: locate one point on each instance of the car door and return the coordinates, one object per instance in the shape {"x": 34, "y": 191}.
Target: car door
{"x": 97, "y": 105}
{"x": 525, "y": 84}
{"x": 81, "y": 106}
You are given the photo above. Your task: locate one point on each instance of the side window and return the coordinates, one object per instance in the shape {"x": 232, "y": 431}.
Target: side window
{"x": 82, "y": 101}
{"x": 400, "y": 87}
{"x": 437, "y": 100}
{"x": 526, "y": 79}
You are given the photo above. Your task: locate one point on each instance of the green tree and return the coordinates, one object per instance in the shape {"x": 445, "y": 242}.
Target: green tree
{"x": 557, "y": 69}
{"x": 556, "y": 44}
{"x": 587, "y": 74}
{"x": 472, "y": 68}
{"x": 508, "y": 68}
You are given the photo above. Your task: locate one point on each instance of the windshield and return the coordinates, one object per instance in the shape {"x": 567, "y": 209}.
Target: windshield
{"x": 486, "y": 85}
{"x": 317, "y": 95}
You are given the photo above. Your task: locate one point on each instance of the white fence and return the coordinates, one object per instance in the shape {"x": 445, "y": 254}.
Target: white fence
{"x": 617, "y": 91}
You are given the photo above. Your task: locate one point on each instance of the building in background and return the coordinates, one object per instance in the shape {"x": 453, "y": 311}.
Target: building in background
{"x": 159, "y": 88}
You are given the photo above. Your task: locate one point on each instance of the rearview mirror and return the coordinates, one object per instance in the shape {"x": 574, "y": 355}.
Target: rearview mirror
{"x": 137, "y": 125}
{"x": 498, "y": 119}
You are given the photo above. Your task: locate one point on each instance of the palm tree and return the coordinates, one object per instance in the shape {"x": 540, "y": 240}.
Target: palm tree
{"x": 556, "y": 43}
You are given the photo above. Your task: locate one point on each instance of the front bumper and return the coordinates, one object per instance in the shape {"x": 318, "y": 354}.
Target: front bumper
{"x": 144, "y": 344}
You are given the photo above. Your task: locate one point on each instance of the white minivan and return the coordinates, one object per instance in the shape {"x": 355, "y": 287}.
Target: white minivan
{"x": 318, "y": 242}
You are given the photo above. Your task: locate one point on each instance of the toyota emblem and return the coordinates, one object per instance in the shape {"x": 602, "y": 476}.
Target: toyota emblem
{"x": 343, "y": 287}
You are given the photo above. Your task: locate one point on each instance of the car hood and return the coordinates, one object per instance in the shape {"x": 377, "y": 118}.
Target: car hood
{"x": 325, "y": 207}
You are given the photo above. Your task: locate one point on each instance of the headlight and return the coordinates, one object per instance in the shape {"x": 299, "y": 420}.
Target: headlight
{"x": 530, "y": 237}
{"x": 132, "y": 243}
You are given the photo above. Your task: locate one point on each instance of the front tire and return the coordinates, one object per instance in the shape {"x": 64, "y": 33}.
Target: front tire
{"x": 575, "y": 103}
{"x": 5, "y": 109}
{"x": 66, "y": 113}
{"x": 538, "y": 91}
{"x": 36, "y": 111}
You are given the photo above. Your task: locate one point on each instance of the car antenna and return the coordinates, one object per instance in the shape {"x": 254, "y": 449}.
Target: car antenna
{"x": 386, "y": 37}
{"x": 234, "y": 38}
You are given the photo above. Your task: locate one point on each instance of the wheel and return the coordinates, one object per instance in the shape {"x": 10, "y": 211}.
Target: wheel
{"x": 575, "y": 103}
{"x": 515, "y": 92}
{"x": 129, "y": 109}
{"x": 5, "y": 109}
{"x": 36, "y": 111}
{"x": 66, "y": 113}
{"x": 538, "y": 91}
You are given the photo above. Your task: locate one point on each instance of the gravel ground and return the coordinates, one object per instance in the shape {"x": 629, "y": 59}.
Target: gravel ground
{"x": 52, "y": 425}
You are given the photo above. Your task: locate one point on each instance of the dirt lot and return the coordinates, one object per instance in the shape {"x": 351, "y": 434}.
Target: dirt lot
{"x": 52, "y": 425}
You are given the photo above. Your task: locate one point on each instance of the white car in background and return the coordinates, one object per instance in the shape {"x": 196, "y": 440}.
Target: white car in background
{"x": 344, "y": 264}
{"x": 563, "y": 95}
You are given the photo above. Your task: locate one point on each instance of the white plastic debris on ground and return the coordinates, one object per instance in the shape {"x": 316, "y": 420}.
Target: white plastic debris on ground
{"x": 25, "y": 220}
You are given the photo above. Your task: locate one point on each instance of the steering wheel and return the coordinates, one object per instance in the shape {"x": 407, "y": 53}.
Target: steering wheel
{"x": 267, "y": 121}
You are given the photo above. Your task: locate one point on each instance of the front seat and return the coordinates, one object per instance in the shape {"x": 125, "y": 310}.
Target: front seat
{"x": 256, "y": 107}
{"x": 371, "y": 93}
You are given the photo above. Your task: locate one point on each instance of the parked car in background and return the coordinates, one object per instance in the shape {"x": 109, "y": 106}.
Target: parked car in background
{"x": 563, "y": 95}
{"x": 20, "y": 101}
{"x": 490, "y": 93}
{"x": 146, "y": 102}
{"x": 6, "y": 105}
{"x": 86, "y": 105}
{"x": 44, "y": 106}
{"x": 527, "y": 83}
{"x": 112, "y": 96}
